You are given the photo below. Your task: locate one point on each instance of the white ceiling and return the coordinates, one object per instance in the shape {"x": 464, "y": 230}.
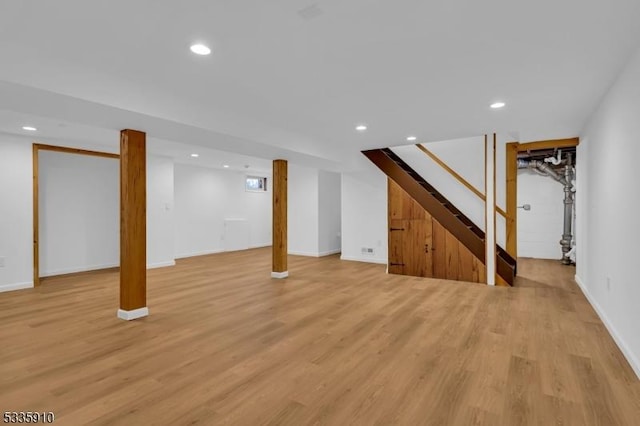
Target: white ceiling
{"x": 74, "y": 135}
{"x": 285, "y": 84}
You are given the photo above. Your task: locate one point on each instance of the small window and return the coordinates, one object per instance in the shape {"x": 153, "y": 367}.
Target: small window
{"x": 256, "y": 184}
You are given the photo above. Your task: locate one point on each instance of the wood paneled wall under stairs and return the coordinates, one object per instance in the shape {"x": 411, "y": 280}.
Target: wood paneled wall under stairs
{"x": 420, "y": 246}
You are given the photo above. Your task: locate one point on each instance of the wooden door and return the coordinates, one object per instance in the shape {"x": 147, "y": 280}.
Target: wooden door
{"x": 417, "y": 246}
{"x": 396, "y": 251}
{"x": 410, "y": 247}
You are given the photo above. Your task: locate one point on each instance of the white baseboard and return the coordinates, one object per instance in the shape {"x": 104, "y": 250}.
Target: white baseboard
{"x": 16, "y": 286}
{"x": 631, "y": 358}
{"x": 135, "y": 314}
{"x": 199, "y": 253}
{"x": 207, "y": 252}
{"x": 329, "y": 252}
{"x": 255, "y": 246}
{"x": 302, "y": 253}
{"x": 161, "y": 264}
{"x": 66, "y": 271}
{"x": 313, "y": 254}
{"x": 364, "y": 259}
{"x": 99, "y": 267}
{"x": 280, "y": 275}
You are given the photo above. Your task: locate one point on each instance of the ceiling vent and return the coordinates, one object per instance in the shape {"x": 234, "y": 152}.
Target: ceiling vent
{"x": 310, "y": 12}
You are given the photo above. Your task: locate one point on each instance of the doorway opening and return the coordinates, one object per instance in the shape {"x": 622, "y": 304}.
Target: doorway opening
{"x": 37, "y": 186}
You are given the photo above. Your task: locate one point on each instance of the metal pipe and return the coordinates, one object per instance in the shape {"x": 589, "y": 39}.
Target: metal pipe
{"x": 565, "y": 179}
{"x": 567, "y": 235}
{"x": 540, "y": 166}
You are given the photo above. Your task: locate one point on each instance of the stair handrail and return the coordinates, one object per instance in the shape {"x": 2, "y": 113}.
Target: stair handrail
{"x": 458, "y": 177}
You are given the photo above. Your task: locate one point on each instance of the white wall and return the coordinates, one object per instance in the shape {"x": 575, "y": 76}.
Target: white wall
{"x": 364, "y": 214}
{"x": 16, "y": 230}
{"x": 540, "y": 229}
{"x": 79, "y": 212}
{"x": 329, "y": 212}
{"x": 160, "y": 207}
{"x": 205, "y": 197}
{"x": 302, "y": 211}
{"x": 607, "y": 211}
{"x": 466, "y": 157}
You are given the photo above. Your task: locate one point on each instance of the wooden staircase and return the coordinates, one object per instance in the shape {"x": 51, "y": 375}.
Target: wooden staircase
{"x": 452, "y": 219}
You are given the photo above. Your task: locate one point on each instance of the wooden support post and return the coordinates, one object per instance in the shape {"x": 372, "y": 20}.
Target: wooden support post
{"x": 133, "y": 226}
{"x": 279, "y": 269}
{"x": 36, "y": 220}
{"x": 512, "y": 199}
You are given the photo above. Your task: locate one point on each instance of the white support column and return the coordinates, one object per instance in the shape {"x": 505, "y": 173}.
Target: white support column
{"x": 490, "y": 208}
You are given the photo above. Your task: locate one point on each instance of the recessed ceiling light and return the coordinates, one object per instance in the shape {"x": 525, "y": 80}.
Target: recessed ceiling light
{"x": 195, "y": 155}
{"x": 226, "y": 166}
{"x": 361, "y": 127}
{"x": 29, "y": 128}
{"x": 497, "y": 105}
{"x": 411, "y": 138}
{"x": 200, "y": 49}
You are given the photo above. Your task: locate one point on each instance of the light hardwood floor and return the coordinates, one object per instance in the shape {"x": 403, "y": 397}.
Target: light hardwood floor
{"x": 336, "y": 343}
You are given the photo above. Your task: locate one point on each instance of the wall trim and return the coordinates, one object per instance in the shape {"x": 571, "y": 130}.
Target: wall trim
{"x": 199, "y": 253}
{"x": 15, "y": 286}
{"x": 75, "y": 270}
{"x": 135, "y": 314}
{"x": 364, "y": 259}
{"x": 280, "y": 275}
{"x": 631, "y": 358}
{"x": 317, "y": 254}
{"x": 329, "y": 252}
{"x": 217, "y": 251}
{"x": 260, "y": 245}
{"x": 161, "y": 264}
{"x": 302, "y": 253}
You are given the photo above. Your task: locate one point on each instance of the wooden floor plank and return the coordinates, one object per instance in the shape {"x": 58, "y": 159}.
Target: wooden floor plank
{"x": 335, "y": 343}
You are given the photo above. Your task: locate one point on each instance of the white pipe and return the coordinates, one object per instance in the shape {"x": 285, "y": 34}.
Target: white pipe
{"x": 554, "y": 160}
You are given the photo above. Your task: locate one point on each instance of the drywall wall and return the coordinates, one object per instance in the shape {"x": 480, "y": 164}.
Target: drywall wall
{"x": 466, "y": 157}
{"x": 608, "y": 201}
{"x": 16, "y": 231}
{"x": 329, "y": 213}
{"x": 160, "y": 206}
{"x": 302, "y": 211}
{"x": 79, "y": 212}
{"x": 540, "y": 229}
{"x": 204, "y": 198}
{"x": 501, "y": 187}
{"x": 364, "y": 214}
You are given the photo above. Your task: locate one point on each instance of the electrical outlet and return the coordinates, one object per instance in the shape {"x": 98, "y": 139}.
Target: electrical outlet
{"x": 1, "y": 261}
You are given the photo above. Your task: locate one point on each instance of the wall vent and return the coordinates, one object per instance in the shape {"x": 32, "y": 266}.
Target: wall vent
{"x": 368, "y": 250}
